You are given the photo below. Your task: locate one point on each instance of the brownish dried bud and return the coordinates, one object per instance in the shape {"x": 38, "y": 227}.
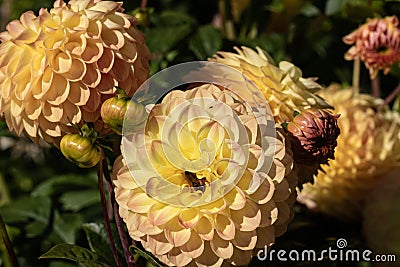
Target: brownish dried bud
{"x": 313, "y": 135}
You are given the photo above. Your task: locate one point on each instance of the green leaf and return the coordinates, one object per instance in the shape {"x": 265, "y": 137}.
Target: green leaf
{"x": 96, "y": 235}
{"x": 75, "y": 253}
{"x": 150, "y": 258}
{"x": 66, "y": 226}
{"x": 205, "y": 42}
{"x": 59, "y": 184}
{"x": 77, "y": 200}
{"x": 309, "y": 10}
{"x": 334, "y": 6}
{"x": 26, "y": 208}
{"x": 172, "y": 27}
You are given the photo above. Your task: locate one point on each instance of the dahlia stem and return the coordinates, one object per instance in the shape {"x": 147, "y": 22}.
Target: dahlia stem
{"x": 118, "y": 220}
{"x": 376, "y": 88}
{"x": 227, "y": 20}
{"x": 356, "y": 74}
{"x": 105, "y": 213}
{"x": 390, "y": 97}
{"x": 143, "y": 4}
{"x": 8, "y": 244}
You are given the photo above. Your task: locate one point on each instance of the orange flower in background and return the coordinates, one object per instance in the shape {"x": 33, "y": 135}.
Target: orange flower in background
{"x": 376, "y": 43}
{"x": 58, "y": 67}
{"x": 201, "y": 158}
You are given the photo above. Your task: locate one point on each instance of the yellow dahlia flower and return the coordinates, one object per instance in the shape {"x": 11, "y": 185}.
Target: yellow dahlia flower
{"x": 376, "y": 43}
{"x": 58, "y": 67}
{"x": 367, "y": 148}
{"x": 283, "y": 86}
{"x": 208, "y": 194}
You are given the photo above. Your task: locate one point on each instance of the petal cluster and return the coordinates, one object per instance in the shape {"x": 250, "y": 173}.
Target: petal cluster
{"x": 201, "y": 143}
{"x": 376, "y": 43}
{"x": 58, "y": 67}
{"x": 283, "y": 86}
{"x": 368, "y": 147}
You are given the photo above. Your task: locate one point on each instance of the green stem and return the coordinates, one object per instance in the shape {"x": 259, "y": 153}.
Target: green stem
{"x": 356, "y": 74}
{"x": 8, "y": 244}
{"x": 105, "y": 212}
{"x": 227, "y": 19}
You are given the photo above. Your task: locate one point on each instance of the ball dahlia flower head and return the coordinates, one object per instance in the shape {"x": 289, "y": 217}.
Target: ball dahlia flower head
{"x": 207, "y": 194}
{"x": 376, "y": 43}
{"x": 367, "y": 149}
{"x": 57, "y": 68}
{"x": 311, "y": 127}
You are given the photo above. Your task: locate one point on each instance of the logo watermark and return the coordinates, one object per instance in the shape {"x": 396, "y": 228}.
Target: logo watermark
{"x": 338, "y": 253}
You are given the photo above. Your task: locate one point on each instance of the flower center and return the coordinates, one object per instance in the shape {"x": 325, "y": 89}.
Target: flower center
{"x": 194, "y": 182}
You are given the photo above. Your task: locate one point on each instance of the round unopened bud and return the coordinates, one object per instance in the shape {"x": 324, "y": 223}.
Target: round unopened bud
{"x": 313, "y": 135}
{"x": 113, "y": 112}
{"x": 80, "y": 150}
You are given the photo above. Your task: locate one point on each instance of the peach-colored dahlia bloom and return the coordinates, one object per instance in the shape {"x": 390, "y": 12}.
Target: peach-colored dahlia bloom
{"x": 58, "y": 67}
{"x": 283, "y": 86}
{"x": 189, "y": 146}
{"x": 368, "y": 148}
{"x": 376, "y": 43}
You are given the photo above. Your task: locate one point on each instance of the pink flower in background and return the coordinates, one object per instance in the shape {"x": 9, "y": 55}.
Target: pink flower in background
{"x": 376, "y": 43}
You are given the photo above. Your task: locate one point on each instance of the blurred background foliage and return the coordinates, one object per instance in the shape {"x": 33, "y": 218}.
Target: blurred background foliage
{"x": 45, "y": 200}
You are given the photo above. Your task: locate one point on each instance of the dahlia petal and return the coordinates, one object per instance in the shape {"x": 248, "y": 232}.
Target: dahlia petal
{"x": 176, "y": 234}
{"x": 31, "y": 127}
{"x": 116, "y": 22}
{"x": 224, "y": 226}
{"x": 105, "y": 6}
{"x": 92, "y": 76}
{"x": 159, "y": 213}
{"x": 16, "y": 108}
{"x": 178, "y": 258}
{"x": 128, "y": 52}
{"x": 77, "y": 70}
{"x": 112, "y": 39}
{"x": 208, "y": 258}
{"x": 79, "y": 93}
{"x": 52, "y": 113}
{"x": 248, "y": 218}
{"x": 93, "y": 50}
{"x": 236, "y": 199}
{"x": 194, "y": 247}
{"x": 188, "y": 218}
{"x": 54, "y": 95}
{"x": 265, "y": 192}
{"x": 55, "y": 39}
{"x": 120, "y": 69}
{"x": 106, "y": 61}
{"x": 94, "y": 29}
{"x": 221, "y": 247}
{"x": 76, "y": 44}
{"x": 49, "y": 128}
{"x": 158, "y": 244}
{"x": 72, "y": 113}
{"x": 107, "y": 85}
{"x": 245, "y": 240}
{"x": 204, "y": 228}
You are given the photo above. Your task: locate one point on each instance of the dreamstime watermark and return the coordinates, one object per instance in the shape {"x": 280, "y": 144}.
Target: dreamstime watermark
{"x": 338, "y": 253}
